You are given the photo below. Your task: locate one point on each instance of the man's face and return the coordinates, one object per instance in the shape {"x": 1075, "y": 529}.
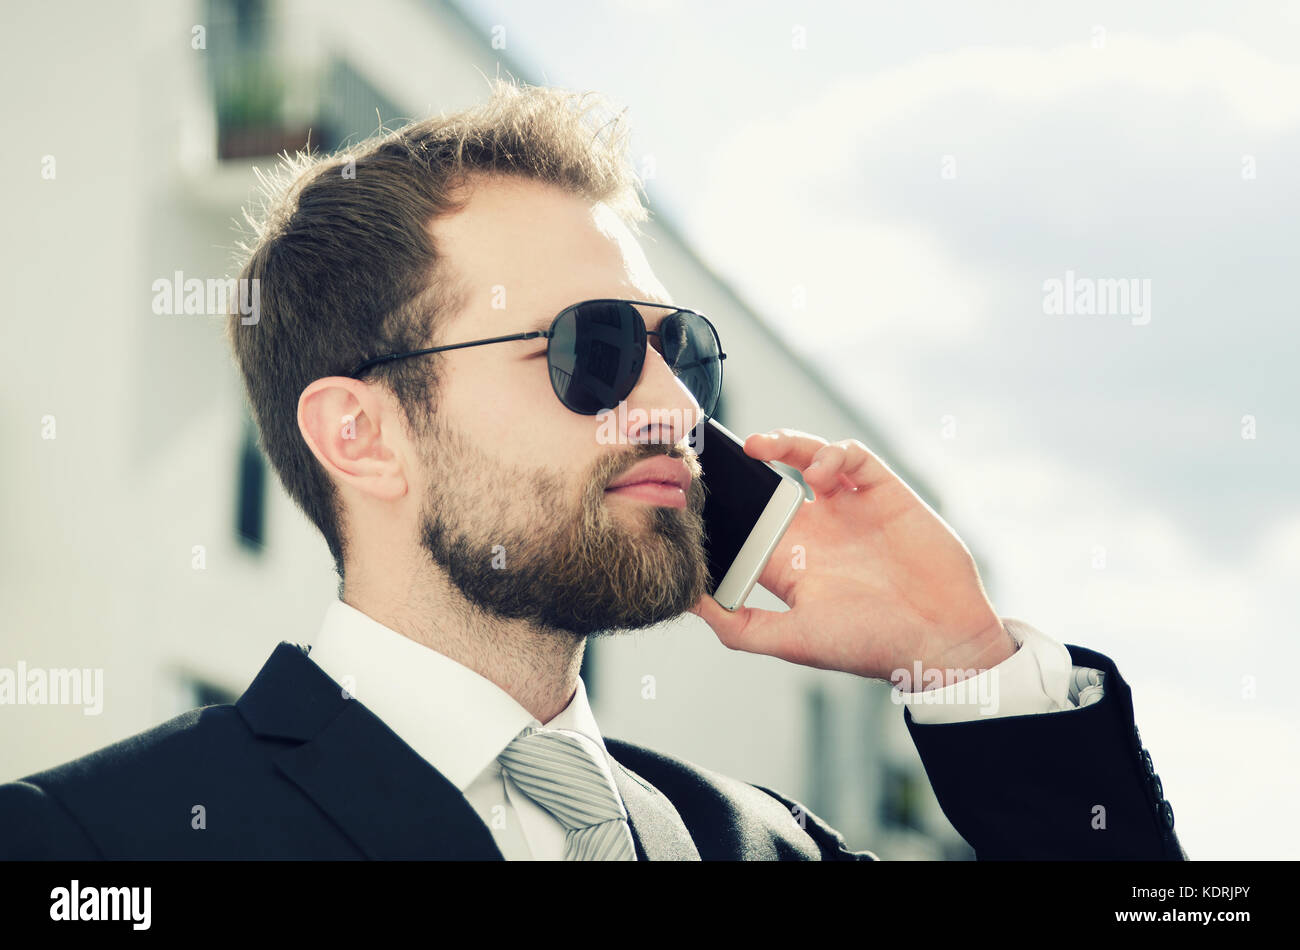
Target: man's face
{"x": 516, "y": 509}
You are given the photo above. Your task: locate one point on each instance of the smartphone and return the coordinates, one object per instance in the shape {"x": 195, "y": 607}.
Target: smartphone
{"x": 748, "y": 505}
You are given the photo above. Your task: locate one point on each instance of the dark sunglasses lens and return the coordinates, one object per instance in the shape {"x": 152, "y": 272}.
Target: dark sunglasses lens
{"x": 690, "y": 348}
{"x": 596, "y": 355}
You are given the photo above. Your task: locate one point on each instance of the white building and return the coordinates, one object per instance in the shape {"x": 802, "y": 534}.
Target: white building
{"x": 122, "y": 547}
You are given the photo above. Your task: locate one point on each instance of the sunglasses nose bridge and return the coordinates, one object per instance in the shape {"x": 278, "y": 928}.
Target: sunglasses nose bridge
{"x": 584, "y": 357}
{"x": 682, "y": 404}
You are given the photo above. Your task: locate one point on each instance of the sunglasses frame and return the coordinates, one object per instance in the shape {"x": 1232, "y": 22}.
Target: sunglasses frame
{"x": 550, "y": 334}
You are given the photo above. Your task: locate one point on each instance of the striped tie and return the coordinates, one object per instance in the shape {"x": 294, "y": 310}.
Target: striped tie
{"x": 557, "y": 768}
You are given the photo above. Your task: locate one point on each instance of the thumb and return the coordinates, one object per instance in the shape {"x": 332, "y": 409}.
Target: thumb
{"x": 746, "y": 628}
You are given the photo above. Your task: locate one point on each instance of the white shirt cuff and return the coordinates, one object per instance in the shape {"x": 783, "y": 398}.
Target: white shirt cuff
{"x": 1038, "y": 678}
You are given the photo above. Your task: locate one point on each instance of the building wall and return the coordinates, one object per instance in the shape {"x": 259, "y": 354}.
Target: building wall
{"x": 120, "y": 547}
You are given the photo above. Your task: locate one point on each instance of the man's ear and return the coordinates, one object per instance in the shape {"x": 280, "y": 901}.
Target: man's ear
{"x": 356, "y": 435}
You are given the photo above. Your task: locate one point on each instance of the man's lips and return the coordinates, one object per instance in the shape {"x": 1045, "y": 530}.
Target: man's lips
{"x": 660, "y": 481}
{"x": 658, "y": 470}
{"x": 656, "y": 493}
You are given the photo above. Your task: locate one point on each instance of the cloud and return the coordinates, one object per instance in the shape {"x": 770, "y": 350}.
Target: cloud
{"x": 924, "y": 300}
{"x": 924, "y": 295}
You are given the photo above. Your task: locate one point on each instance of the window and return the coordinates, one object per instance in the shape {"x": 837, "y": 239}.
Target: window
{"x": 900, "y": 800}
{"x": 250, "y": 497}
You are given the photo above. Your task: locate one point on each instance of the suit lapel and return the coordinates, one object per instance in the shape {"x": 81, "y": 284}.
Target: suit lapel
{"x": 380, "y": 792}
{"x": 657, "y": 829}
{"x": 387, "y": 799}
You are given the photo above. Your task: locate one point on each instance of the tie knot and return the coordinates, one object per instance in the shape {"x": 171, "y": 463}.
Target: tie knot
{"x": 560, "y": 770}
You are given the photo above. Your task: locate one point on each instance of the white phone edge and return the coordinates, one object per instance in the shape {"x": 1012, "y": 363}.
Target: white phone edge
{"x": 761, "y": 543}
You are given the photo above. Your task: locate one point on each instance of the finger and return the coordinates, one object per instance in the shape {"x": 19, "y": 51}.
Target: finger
{"x": 842, "y": 484}
{"x": 823, "y": 473}
{"x": 790, "y": 446}
{"x": 715, "y": 615}
{"x": 862, "y": 468}
{"x": 845, "y": 465}
{"x": 746, "y": 628}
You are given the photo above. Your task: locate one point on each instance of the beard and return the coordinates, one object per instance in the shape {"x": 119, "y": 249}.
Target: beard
{"x": 517, "y": 546}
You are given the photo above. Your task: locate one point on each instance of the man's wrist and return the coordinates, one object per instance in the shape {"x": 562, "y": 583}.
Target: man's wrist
{"x": 994, "y": 646}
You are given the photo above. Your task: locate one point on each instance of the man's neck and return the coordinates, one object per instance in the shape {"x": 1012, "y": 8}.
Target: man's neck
{"x": 538, "y": 667}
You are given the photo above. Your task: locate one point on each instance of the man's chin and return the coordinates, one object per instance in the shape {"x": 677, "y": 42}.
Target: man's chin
{"x": 624, "y": 623}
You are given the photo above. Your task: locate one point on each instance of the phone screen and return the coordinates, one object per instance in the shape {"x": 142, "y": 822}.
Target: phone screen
{"x": 737, "y": 490}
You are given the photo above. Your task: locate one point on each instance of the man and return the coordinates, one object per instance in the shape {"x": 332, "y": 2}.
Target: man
{"x": 408, "y": 374}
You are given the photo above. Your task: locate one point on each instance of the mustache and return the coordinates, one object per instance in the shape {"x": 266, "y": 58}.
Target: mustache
{"x": 610, "y": 468}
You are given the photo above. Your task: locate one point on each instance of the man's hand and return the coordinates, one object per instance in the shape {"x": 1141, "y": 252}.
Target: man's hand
{"x": 874, "y": 578}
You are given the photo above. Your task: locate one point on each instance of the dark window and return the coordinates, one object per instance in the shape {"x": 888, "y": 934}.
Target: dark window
{"x": 250, "y": 499}
{"x": 197, "y": 692}
{"x": 900, "y": 800}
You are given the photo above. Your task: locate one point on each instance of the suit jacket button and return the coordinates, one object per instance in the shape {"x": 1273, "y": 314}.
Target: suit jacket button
{"x": 1167, "y": 814}
{"x": 1158, "y": 786}
{"x": 1147, "y": 763}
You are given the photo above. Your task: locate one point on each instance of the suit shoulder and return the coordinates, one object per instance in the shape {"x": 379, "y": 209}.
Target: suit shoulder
{"x": 34, "y": 826}
{"x": 87, "y": 806}
{"x": 186, "y": 739}
{"x": 729, "y": 818}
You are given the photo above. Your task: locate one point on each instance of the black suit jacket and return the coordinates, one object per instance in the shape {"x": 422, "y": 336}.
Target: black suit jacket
{"x": 294, "y": 769}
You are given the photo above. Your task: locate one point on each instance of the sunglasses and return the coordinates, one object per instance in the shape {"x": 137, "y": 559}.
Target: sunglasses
{"x": 596, "y": 351}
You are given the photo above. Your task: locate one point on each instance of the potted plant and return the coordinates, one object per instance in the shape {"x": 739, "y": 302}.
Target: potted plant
{"x": 251, "y": 119}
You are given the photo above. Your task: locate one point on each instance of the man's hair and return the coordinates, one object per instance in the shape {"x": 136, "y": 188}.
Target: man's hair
{"x": 348, "y": 270}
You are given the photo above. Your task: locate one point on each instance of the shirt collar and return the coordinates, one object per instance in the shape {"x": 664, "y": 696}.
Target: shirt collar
{"x": 455, "y": 719}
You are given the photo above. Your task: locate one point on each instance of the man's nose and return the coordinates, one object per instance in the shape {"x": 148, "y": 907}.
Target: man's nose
{"x": 660, "y": 409}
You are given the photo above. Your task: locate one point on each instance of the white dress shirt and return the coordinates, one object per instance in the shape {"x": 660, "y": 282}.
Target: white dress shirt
{"x": 1038, "y": 678}
{"x": 459, "y": 721}
{"x": 455, "y": 719}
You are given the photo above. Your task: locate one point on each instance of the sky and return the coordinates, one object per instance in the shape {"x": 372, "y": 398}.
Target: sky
{"x": 921, "y": 174}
